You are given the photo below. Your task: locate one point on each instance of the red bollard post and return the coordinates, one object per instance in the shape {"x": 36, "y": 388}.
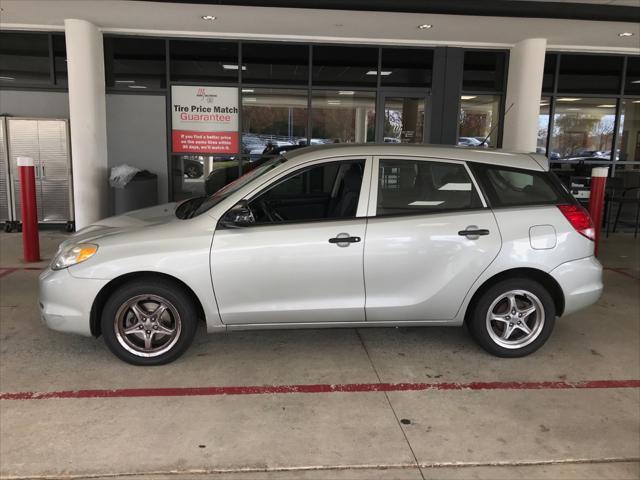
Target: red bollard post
{"x": 29, "y": 209}
{"x": 596, "y": 200}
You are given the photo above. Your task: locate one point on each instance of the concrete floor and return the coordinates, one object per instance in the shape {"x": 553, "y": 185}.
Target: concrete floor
{"x": 499, "y": 433}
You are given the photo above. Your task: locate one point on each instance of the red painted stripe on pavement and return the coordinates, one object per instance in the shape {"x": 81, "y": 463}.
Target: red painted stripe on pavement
{"x": 319, "y": 388}
{"x": 4, "y": 271}
{"x": 622, "y": 271}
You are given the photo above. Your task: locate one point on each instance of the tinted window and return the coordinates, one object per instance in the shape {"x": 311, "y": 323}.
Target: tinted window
{"x": 60, "y": 59}
{"x": 483, "y": 71}
{"x": 345, "y": 66}
{"x": 329, "y": 190}
{"x": 408, "y": 67}
{"x": 550, "y": 60}
{"x": 415, "y": 186}
{"x": 633, "y": 76}
{"x": 511, "y": 186}
{"x": 135, "y": 63}
{"x": 589, "y": 74}
{"x": 200, "y": 61}
{"x": 24, "y": 58}
{"x": 275, "y": 63}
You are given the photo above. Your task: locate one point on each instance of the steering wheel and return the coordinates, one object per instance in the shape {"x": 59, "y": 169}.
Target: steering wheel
{"x": 269, "y": 211}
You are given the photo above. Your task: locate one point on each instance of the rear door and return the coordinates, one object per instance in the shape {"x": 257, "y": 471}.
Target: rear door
{"x": 429, "y": 237}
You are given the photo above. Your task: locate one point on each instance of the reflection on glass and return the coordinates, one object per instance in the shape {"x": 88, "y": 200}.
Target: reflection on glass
{"x": 543, "y": 126}
{"x": 410, "y": 67}
{"x": 478, "y": 115}
{"x": 195, "y": 175}
{"x": 583, "y": 127}
{"x": 203, "y": 61}
{"x": 273, "y": 120}
{"x": 60, "y": 59}
{"x": 24, "y": 58}
{"x": 483, "y": 71}
{"x": 136, "y": 63}
{"x": 275, "y": 63}
{"x": 629, "y": 134}
{"x": 403, "y": 120}
{"x": 341, "y": 65}
{"x": 590, "y": 74}
{"x": 344, "y": 116}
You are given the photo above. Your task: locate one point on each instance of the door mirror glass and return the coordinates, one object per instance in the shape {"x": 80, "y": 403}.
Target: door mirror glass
{"x": 239, "y": 216}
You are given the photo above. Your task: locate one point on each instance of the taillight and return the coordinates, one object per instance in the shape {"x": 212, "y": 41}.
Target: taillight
{"x": 579, "y": 219}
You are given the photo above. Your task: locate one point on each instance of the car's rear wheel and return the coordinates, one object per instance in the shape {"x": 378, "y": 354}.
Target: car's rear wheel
{"x": 513, "y": 318}
{"x": 149, "y": 321}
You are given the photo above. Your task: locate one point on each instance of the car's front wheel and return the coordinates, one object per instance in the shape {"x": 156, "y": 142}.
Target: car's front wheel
{"x": 513, "y": 318}
{"x": 149, "y": 321}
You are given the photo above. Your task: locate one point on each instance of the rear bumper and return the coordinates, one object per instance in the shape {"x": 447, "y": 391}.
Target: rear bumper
{"x": 581, "y": 283}
{"x": 65, "y": 301}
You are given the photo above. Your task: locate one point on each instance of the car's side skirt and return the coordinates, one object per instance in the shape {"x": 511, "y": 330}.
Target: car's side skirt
{"x": 270, "y": 326}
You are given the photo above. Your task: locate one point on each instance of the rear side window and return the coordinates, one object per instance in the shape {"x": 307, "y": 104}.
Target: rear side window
{"x": 508, "y": 187}
{"x": 422, "y": 186}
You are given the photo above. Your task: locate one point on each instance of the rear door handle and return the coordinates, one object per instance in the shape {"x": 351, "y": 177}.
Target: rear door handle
{"x": 472, "y": 232}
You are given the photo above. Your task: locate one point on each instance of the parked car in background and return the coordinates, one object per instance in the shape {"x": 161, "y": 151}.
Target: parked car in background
{"x": 337, "y": 236}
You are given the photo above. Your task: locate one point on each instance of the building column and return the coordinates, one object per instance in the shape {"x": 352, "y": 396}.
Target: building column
{"x": 524, "y": 88}
{"x": 88, "y": 120}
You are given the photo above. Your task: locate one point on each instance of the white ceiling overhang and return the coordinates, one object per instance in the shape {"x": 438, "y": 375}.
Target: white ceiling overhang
{"x": 312, "y": 25}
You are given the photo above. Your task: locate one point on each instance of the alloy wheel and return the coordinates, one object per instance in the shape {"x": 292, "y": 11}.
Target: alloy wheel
{"x": 515, "y": 319}
{"x": 147, "y": 325}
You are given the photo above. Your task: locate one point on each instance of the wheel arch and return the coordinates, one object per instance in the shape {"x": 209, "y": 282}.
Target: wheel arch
{"x": 109, "y": 288}
{"x": 542, "y": 277}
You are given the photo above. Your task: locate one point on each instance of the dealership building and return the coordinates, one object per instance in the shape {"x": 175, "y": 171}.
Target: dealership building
{"x": 185, "y": 88}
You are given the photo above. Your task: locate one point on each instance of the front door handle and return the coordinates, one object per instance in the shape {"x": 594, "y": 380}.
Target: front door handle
{"x": 344, "y": 239}
{"x": 472, "y": 232}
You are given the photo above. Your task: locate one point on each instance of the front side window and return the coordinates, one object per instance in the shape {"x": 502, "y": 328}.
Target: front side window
{"x": 418, "y": 186}
{"x": 325, "y": 191}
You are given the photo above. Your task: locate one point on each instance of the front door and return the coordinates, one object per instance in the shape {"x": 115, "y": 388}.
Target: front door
{"x": 429, "y": 237}
{"x": 402, "y": 117}
{"x": 300, "y": 260}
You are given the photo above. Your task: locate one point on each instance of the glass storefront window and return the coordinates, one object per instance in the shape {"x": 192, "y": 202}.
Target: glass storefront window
{"x": 483, "y": 71}
{"x": 343, "y": 116}
{"x": 24, "y": 59}
{"x": 629, "y": 133}
{"x": 346, "y": 66}
{"x": 135, "y": 63}
{"x": 583, "y": 127}
{"x": 195, "y": 175}
{"x": 632, "y": 83}
{"x": 275, "y": 63}
{"x": 478, "y": 115}
{"x": 550, "y": 60}
{"x": 403, "y": 120}
{"x": 202, "y": 61}
{"x": 272, "y": 120}
{"x": 589, "y": 74}
{"x": 408, "y": 67}
{"x": 543, "y": 125}
{"x": 60, "y": 59}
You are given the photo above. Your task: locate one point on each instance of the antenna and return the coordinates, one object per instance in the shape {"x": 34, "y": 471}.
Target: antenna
{"x": 495, "y": 126}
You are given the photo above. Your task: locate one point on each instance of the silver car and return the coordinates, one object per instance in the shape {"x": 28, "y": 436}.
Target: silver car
{"x": 337, "y": 236}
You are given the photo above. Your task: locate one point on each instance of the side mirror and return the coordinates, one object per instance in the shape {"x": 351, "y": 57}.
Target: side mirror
{"x": 239, "y": 216}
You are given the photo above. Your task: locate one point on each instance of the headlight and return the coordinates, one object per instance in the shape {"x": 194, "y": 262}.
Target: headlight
{"x": 73, "y": 254}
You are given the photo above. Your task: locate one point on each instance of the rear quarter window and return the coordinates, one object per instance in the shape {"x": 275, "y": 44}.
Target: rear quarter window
{"x": 509, "y": 187}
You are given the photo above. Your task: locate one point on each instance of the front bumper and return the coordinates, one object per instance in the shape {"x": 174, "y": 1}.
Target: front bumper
{"x": 581, "y": 283}
{"x": 65, "y": 301}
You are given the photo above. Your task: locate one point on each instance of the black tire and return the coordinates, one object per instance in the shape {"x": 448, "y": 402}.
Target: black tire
{"x": 492, "y": 341}
{"x": 8, "y": 227}
{"x": 181, "y": 303}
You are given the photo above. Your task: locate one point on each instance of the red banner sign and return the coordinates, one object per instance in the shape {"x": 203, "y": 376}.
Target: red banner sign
{"x": 205, "y": 142}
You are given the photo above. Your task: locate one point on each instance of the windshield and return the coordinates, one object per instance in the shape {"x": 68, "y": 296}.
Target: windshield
{"x": 206, "y": 203}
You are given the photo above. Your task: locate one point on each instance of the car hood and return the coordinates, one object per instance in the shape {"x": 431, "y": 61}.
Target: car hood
{"x": 134, "y": 220}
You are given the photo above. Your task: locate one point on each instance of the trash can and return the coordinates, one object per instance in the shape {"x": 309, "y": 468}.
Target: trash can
{"x": 140, "y": 192}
